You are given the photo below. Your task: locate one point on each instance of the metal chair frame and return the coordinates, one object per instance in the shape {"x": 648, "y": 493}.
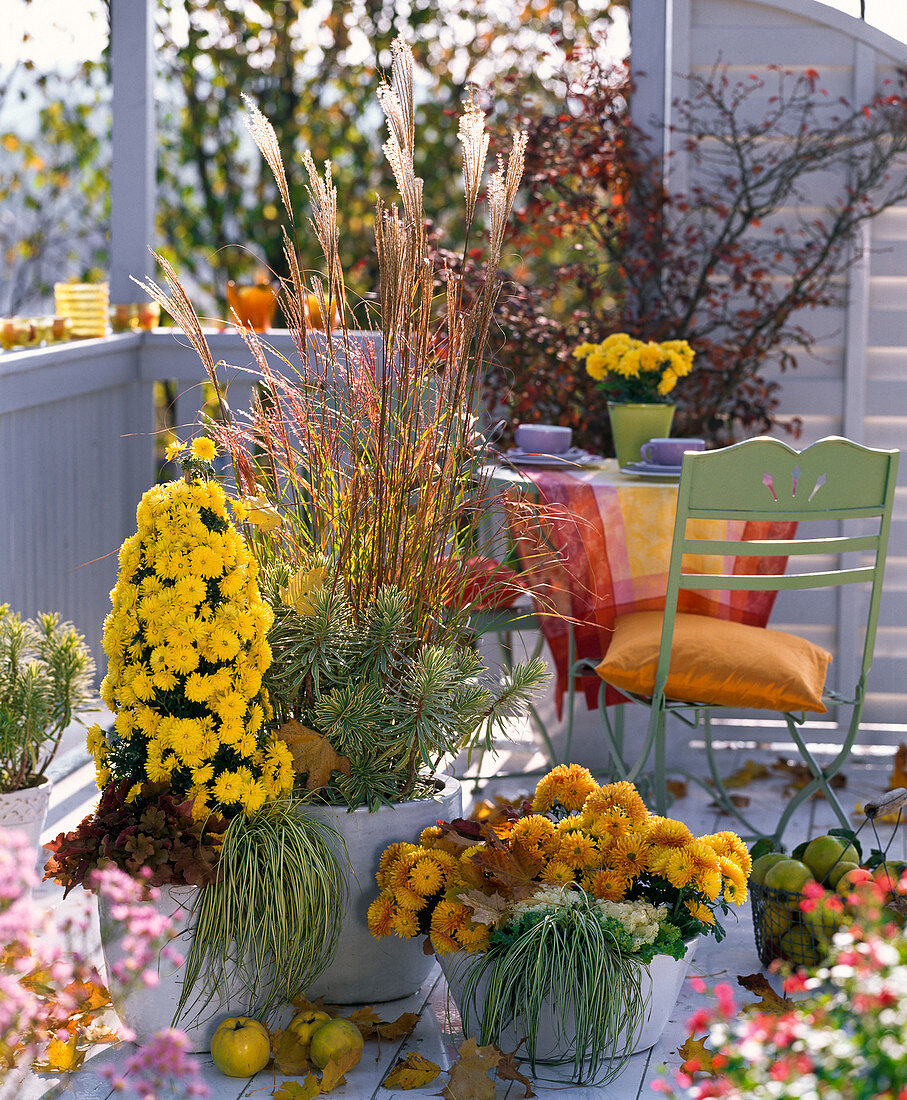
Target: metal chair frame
{"x": 765, "y": 479}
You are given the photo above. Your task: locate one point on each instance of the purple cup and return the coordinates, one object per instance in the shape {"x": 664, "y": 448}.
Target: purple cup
{"x": 543, "y": 439}
{"x": 669, "y": 452}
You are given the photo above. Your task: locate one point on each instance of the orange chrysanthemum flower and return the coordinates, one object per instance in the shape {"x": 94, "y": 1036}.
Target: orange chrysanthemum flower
{"x": 568, "y": 785}
{"x": 629, "y": 853}
{"x": 532, "y": 832}
{"x": 623, "y": 795}
{"x": 405, "y": 924}
{"x": 578, "y": 850}
{"x": 607, "y": 884}
{"x": 389, "y": 856}
{"x": 668, "y": 833}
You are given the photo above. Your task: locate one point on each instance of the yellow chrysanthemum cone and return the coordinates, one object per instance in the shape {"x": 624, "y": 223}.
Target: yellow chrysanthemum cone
{"x": 187, "y": 647}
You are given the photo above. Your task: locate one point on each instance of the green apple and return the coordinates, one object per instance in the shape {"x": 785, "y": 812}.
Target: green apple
{"x": 241, "y": 1047}
{"x": 790, "y": 875}
{"x": 799, "y": 948}
{"x": 839, "y": 871}
{"x": 824, "y": 852}
{"x": 763, "y": 865}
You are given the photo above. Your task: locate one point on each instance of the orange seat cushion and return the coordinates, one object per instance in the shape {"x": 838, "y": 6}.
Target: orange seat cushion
{"x": 713, "y": 661}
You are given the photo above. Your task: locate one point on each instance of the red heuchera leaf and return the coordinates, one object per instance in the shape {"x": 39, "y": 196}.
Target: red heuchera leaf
{"x": 156, "y": 832}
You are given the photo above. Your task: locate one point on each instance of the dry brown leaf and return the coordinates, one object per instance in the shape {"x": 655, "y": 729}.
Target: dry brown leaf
{"x": 769, "y": 1000}
{"x": 293, "y": 1090}
{"x": 750, "y": 771}
{"x": 491, "y": 812}
{"x": 741, "y": 801}
{"x": 510, "y": 872}
{"x": 373, "y": 1027}
{"x": 508, "y": 1070}
{"x": 676, "y": 787}
{"x": 411, "y": 1072}
{"x": 696, "y": 1058}
{"x": 302, "y": 1004}
{"x": 899, "y": 769}
{"x": 486, "y": 909}
{"x": 798, "y": 775}
{"x": 290, "y": 1056}
{"x": 469, "y": 1078}
{"x": 313, "y": 755}
{"x": 332, "y": 1074}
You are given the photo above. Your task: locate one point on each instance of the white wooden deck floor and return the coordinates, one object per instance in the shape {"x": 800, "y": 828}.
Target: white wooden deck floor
{"x": 436, "y": 1036}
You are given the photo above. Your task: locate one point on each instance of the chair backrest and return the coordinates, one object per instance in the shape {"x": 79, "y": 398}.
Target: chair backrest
{"x": 765, "y": 479}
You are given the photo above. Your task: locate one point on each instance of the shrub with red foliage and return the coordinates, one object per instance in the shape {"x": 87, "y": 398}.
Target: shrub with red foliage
{"x": 732, "y": 265}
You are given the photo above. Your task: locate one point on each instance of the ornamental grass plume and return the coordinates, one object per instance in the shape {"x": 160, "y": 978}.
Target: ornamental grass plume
{"x": 361, "y": 473}
{"x": 187, "y": 648}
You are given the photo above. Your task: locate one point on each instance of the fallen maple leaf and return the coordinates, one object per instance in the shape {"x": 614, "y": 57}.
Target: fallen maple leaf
{"x": 290, "y": 1055}
{"x": 508, "y": 1070}
{"x": 485, "y": 909}
{"x": 676, "y": 787}
{"x": 469, "y": 1078}
{"x": 799, "y": 775}
{"x": 899, "y": 768}
{"x": 745, "y": 775}
{"x": 313, "y": 755}
{"x": 696, "y": 1058}
{"x": 293, "y": 1090}
{"x": 373, "y": 1027}
{"x": 769, "y": 1000}
{"x": 741, "y": 801}
{"x": 411, "y": 1072}
{"x": 332, "y": 1074}
{"x": 61, "y": 1056}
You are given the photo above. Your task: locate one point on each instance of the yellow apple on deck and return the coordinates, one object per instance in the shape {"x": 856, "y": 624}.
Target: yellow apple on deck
{"x": 241, "y": 1047}
{"x": 304, "y": 1025}
{"x": 335, "y": 1040}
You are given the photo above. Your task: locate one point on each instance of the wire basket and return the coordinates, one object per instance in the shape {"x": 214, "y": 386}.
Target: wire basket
{"x": 781, "y": 928}
{"x": 784, "y": 931}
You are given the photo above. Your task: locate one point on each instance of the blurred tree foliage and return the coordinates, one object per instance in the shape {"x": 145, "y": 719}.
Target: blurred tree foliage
{"x": 54, "y": 168}
{"x": 313, "y": 69}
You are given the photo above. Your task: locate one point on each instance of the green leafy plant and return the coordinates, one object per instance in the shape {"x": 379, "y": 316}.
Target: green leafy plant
{"x": 46, "y": 676}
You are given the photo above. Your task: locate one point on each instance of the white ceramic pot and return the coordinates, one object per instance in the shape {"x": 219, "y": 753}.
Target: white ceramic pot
{"x": 660, "y": 985}
{"x": 25, "y": 811}
{"x": 366, "y": 970}
{"x": 149, "y": 1009}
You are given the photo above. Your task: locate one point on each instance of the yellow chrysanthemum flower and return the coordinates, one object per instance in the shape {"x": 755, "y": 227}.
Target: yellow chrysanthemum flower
{"x": 733, "y": 881}
{"x": 568, "y": 785}
{"x": 677, "y": 867}
{"x": 204, "y": 449}
{"x": 381, "y": 914}
{"x": 668, "y": 833}
{"x": 473, "y": 937}
{"x": 407, "y": 898}
{"x": 701, "y": 912}
{"x": 405, "y": 924}
{"x": 621, "y": 796}
{"x": 533, "y": 831}
{"x": 578, "y": 850}
{"x": 449, "y": 916}
{"x": 426, "y": 876}
{"x": 557, "y": 873}
{"x": 730, "y": 845}
{"x": 629, "y": 853}
{"x": 606, "y": 884}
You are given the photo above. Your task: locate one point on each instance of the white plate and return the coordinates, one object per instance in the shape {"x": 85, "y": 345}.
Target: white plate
{"x": 650, "y": 469}
{"x": 573, "y": 457}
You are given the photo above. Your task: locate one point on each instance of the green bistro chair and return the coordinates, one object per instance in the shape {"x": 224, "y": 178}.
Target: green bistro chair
{"x": 688, "y": 664}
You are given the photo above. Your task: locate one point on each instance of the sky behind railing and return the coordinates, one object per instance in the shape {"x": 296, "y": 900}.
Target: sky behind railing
{"x": 71, "y": 32}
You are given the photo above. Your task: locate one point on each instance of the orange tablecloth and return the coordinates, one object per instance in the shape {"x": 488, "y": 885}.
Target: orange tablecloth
{"x": 612, "y": 539}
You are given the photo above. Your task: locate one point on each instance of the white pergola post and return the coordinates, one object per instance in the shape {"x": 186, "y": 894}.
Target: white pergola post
{"x": 133, "y": 165}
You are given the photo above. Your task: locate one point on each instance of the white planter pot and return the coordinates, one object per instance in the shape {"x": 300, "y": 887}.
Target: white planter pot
{"x": 25, "y": 811}
{"x": 149, "y": 1009}
{"x": 366, "y": 970}
{"x": 660, "y": 985}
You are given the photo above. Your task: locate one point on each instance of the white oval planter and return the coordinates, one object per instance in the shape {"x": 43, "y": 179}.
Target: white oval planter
{"x": 660, "y": 985}
{"x": 366, "y": 970}
{"x": 149, "y": 1009}
{"x": 25, "y": 811}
